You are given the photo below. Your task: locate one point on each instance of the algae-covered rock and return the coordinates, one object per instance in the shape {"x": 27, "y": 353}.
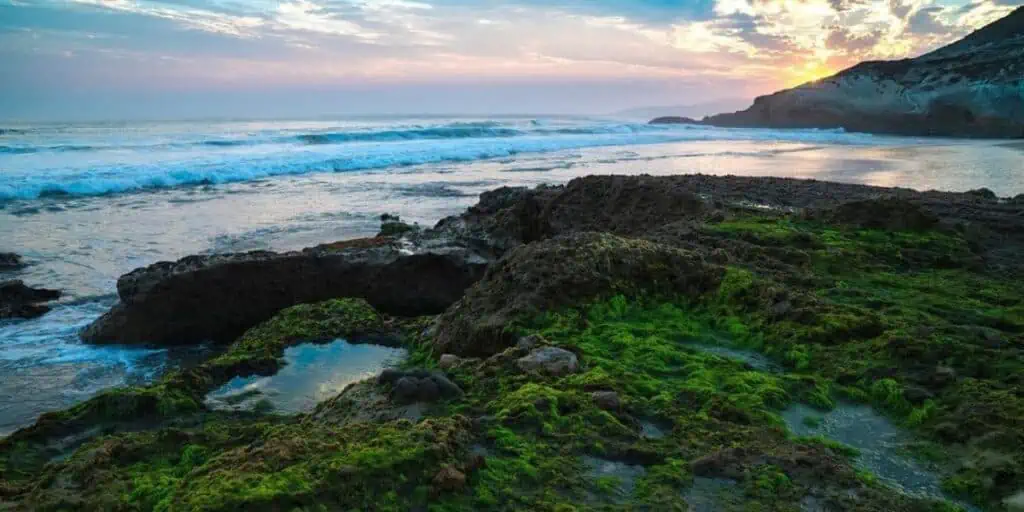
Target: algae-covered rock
{"x": 561, "y": 272}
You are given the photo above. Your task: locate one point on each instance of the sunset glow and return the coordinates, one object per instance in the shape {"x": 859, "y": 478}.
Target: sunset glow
{"x": 584, "y": 54}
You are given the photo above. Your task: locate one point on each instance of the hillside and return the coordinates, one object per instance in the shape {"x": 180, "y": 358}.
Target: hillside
{"x": 971, "y": 88}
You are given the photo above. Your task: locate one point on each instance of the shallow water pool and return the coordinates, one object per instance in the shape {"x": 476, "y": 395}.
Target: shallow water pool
{"x": 312, "y": 373}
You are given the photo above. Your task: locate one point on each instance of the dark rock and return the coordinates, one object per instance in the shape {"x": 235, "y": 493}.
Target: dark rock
{"x": 622, "y": 205}
{"x": 674, "y": 120}
{"x": 563, "y": 271}
{"x": 218, "y": 297}
{"x": 392, "y": 226}
{"x": 895, "y": 214}
{"x": 607, "y": 400}
{"x": 983, "y": 193}
{"x": 474, "y": 462}
{"x": 20, "y": 301}
{"x": 449, "y": 479}
{"x": 418, "y": 386}
{"x": 530, "y": 342}
{"x": 10, "y": 261}
{"x": 553, "y": 361}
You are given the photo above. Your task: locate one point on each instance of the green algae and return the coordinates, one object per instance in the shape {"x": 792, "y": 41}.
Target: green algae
{"x": 903, "y": 321}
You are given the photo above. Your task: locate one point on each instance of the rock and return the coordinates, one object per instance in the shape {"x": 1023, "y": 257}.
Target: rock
{"x": 20, "y": 301}
{"x": 983, "y": 193}
{"x": 10, "y": 261}
{"x": 218, "y": 297}
{"x": 894, "y": 214}
{"x": 674, "y": 120}
{"x": 607, "y": 400}
{"x": 449, "y": 479}
{"x": 970, "y": 88}
{"x": 392, "y": 226}
{"x": 474, "y": 462}
{"x": 448, "y": 361}
{"x": 553, "y": 361}
{"x": 780, "y": 309}
{"x": 418, "y": 386}
{"x": 563, "y": 271}
{"x": 530, "y": 342}
{"x": 621, "y": 205}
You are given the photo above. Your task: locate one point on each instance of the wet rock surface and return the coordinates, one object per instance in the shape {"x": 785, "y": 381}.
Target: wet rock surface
{"x": 10, "y": 261}
{"x": 20, "y": 301}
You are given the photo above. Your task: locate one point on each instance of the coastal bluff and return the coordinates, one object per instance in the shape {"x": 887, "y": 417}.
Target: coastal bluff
{"x": 971, "y": 88}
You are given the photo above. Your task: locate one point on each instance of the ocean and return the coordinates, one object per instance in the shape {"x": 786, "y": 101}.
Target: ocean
{"x": 85, "y": 203}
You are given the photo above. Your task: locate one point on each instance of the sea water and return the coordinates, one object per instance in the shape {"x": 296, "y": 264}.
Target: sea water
{"x": 85, "y": 203}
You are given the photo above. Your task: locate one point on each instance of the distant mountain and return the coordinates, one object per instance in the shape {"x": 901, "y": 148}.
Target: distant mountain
{"x": 971, "y": 88}
{"x": 696, "y": 110}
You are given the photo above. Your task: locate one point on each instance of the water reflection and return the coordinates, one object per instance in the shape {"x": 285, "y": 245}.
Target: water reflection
{"x": 312, "y": 374}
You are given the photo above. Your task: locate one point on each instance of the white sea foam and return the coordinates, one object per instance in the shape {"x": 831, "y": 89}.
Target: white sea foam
{"x": 97, "y": 164}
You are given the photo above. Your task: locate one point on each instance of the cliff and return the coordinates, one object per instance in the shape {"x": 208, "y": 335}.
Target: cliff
{"x": 971, "y": 88}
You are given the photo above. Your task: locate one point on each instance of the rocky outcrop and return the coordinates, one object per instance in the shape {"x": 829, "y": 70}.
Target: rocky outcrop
{"x": 425, "y": 271}
{"x": 20, "y": 301}
{"x": 971, "y": 88}
{"x": 561, "y": 271}
{"x": 218, "y": 297}
{"x": 10, "y": 261}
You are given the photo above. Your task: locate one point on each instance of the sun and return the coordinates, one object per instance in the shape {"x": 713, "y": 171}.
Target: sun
{"x": 808, "y": 72}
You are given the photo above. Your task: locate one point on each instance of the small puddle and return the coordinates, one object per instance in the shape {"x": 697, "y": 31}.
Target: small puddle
{"x": 712, "y": 494}
{"x": 313, "y": 373}
{"x": 878, "y": 440}
{"x": 623, "y": 476}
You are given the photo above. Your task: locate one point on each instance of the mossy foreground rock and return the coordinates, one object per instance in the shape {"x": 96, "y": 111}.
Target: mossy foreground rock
{"x": 674, "y": 384}
{"x": 560, "y": 272}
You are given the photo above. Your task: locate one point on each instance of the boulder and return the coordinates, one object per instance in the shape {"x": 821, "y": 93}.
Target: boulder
{"x": 418, "y": 386}
{"x": 448, "y": 361}
{"x": 20, "y": 301}
{"x": 607, "y": 400}
{"x": 10, "y": 261}
{"x": 560, "y": 272}
{"x": 552, "y": 361}
{"x": 217, "y": 298}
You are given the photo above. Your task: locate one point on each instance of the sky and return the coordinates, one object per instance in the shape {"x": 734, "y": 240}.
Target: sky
{"x": 132, "y": 59}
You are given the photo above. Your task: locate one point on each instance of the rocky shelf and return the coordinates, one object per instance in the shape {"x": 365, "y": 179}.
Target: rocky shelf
{"x": 564, "y": 352}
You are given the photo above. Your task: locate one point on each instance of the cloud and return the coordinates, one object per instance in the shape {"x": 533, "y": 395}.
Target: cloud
{"x": 750, "y": 45}
{"x": 198, "y": 19}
